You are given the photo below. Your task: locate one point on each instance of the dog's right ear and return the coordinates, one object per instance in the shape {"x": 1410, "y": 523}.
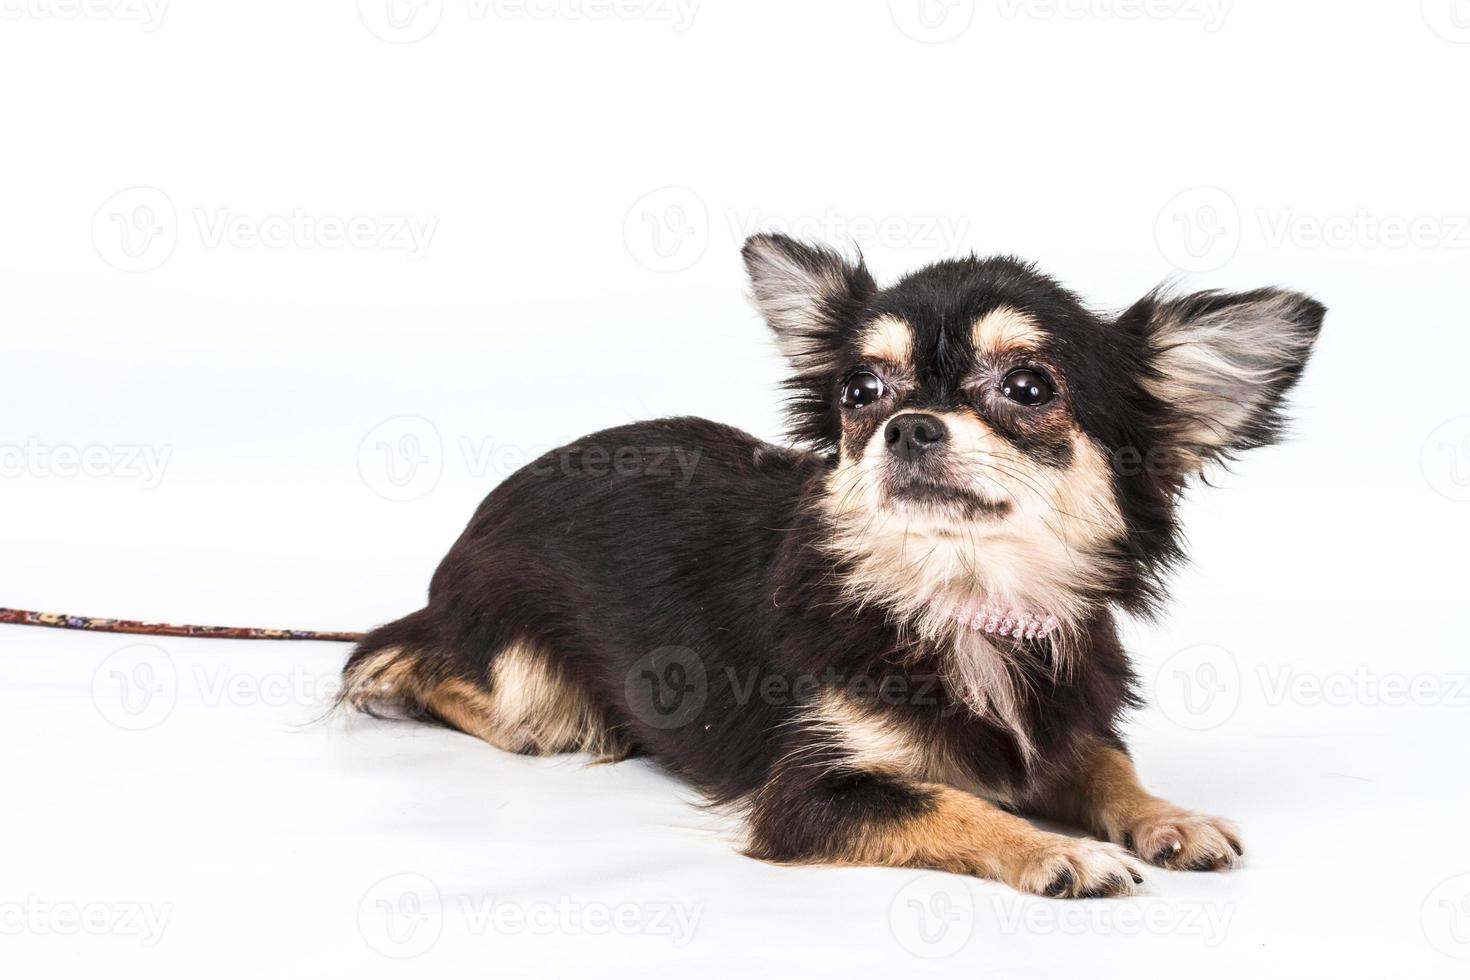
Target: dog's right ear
{"x": 807, "y": 293}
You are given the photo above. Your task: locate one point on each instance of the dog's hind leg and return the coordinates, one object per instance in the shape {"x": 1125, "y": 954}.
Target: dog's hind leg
{"x": 524, "y": 701}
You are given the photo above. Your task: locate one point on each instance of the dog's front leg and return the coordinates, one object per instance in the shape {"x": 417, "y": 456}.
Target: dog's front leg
{"x": 866, "y": 818}
{"x": 1105, "y": 797}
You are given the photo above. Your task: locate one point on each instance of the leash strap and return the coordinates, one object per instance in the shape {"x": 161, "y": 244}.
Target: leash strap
{"x": 26, "y": 617}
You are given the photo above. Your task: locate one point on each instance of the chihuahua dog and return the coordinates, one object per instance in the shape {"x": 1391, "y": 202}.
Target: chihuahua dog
{"x": 892, "y": 642}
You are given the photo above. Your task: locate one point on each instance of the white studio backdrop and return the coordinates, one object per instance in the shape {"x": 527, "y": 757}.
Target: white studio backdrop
{"x": 285, "y": 289}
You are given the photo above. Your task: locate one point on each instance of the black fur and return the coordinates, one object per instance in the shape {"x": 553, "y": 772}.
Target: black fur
{"x": 622, "y": 573}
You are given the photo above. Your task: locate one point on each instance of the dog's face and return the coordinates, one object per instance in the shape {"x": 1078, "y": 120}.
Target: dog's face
{"x": 998, "y": 443}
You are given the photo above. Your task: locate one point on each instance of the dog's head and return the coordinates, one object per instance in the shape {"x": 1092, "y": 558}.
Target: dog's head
{"x": 997, "y": 445}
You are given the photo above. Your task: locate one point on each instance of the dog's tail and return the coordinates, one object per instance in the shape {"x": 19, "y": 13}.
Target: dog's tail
{"x": 395, "y": 671}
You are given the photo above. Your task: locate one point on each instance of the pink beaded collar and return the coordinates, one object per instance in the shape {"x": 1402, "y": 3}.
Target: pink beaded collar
{"x": 988, "y": 617}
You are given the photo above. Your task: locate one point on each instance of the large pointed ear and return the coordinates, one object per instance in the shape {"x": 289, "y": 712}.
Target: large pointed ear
{"x": 807, "y": 294}
{"x": 1220, "y": 364}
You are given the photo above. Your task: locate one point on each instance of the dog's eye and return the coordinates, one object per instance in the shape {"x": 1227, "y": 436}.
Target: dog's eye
{"x": 1027, "y": 387}
{"x": 861, "y": 389}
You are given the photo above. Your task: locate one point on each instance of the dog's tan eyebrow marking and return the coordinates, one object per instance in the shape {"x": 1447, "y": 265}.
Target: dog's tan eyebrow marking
{"x": 1006, "y": 328}
{"x": 887, "y": 339}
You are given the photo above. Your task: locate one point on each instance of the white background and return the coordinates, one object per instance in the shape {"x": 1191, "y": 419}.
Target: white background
{"x": 284, "y": 429}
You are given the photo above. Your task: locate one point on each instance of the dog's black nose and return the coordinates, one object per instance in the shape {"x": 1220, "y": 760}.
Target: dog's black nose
{"x": 910, "y": 435}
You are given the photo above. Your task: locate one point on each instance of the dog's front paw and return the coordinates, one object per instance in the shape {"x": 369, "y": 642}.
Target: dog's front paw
{"x": 1064, "y": 867}
{"x": 1175, "y": 838}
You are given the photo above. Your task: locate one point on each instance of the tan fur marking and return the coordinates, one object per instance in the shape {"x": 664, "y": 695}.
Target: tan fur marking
{"x": 534, "y": 707}
{"x": 888, "y": 339}
{"x": 966, "y": 835}
{"x": 870, "y": 741}
{"x": 386, "y": 675}
{"x": 529, "y": 706}
{"x": 463, "y": 705}
{"x": 922, "y": 562}
{"x": 1107, "y": 798}
{"x": 1032, "y": 556}
{"x": 1044, "y": 553}
{"x": 866, "y": 740}
{"x": 1006, "y": 328}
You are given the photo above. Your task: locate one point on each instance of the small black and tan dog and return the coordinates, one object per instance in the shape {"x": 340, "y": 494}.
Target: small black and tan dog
{"x": 889, "y": 645}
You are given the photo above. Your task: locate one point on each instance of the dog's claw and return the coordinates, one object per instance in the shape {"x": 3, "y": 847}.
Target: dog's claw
{"x": 1059, "y": 884}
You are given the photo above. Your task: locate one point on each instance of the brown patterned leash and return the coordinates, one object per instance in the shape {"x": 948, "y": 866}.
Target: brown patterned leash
{"x": 25, "y": 617}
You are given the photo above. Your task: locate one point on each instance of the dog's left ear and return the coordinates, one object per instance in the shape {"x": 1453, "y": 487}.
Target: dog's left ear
{"x": 807, "y": 294}
{"x": 1220, "y": 365}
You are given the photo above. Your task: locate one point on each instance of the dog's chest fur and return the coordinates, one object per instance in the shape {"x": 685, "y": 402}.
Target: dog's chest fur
{"x": 964, "y": 708}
